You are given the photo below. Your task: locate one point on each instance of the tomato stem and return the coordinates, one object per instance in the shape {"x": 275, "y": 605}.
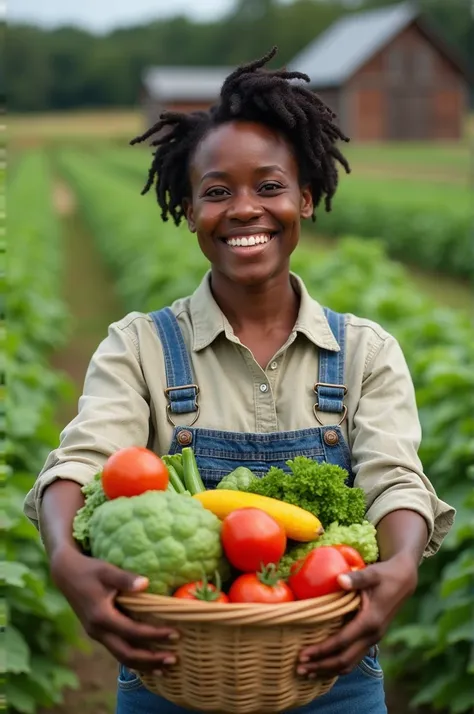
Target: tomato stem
{"x": 205, "y": 592}
{"x": 269, "y": 574}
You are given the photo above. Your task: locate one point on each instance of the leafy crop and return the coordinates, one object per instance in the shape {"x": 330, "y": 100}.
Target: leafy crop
{"x": 40, "y": 623}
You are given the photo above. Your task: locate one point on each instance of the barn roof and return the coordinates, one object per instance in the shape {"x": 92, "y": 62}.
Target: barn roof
{"x": 350, "y": 42}
{"x": 185, "y": 83}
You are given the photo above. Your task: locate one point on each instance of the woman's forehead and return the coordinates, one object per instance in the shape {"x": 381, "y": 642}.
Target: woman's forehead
{"x": 242, "y": 144}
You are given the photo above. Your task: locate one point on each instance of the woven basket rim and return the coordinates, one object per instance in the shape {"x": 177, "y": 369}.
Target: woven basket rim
{"x": 299, "y": 611}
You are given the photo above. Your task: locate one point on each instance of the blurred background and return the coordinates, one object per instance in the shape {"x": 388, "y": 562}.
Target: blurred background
{"x": 85, "y": 247}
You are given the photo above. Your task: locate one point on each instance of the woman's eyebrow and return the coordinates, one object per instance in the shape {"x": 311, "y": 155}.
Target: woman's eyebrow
{"x": 268, "y": 169}
{"x": 214, "y": 174}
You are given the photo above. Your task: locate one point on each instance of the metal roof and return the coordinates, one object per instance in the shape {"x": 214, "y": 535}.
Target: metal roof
{"x": 350, "y": 42}
{"x": 185, "y": 83}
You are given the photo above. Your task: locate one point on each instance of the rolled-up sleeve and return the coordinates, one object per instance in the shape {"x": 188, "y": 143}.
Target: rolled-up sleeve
{"x": 113, "y": 413}
{"x": 385, "y": 439}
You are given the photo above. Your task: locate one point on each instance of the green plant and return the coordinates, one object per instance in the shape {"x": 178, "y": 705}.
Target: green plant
{"x": 41, "y": 626}
{"x": 424, "y": 224}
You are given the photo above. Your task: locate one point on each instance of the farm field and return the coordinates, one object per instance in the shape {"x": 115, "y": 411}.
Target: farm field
{"x": 111, "y": 254}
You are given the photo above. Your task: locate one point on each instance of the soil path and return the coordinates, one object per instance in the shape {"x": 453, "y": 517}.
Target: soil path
{"x": 89, "y": 294}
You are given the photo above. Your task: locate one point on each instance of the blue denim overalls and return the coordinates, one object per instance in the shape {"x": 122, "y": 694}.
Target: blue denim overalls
{"x": 218, "y": 453}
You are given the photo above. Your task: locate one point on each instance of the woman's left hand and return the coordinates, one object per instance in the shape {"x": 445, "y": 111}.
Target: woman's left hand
{"x": 384, "y": 588}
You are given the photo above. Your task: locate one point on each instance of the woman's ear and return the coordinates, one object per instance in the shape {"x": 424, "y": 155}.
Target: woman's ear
{"x": 307, "y": 207}
{"x": 189, "y": 213}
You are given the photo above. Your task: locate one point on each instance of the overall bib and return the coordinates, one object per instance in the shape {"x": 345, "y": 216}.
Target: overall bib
{"x": 218, "y": 453}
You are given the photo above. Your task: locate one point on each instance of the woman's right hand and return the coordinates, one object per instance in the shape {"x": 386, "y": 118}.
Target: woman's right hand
{"x": 90, "y": 586}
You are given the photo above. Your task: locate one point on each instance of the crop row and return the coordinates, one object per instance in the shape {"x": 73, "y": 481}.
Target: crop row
{"x": 419, "y": 222}
{"x": 431, "y": 644}
{"x": 40, "y": 623}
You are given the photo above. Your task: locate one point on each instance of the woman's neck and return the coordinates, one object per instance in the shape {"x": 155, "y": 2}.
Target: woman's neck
{"x": 270, "y": 306}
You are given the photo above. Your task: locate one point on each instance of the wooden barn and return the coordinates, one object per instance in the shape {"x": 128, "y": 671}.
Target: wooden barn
{"x": 385, "y": 72}
{"x": 388, "y": 76}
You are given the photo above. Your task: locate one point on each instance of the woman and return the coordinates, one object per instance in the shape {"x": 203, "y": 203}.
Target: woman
{"x": 249, "y": 370}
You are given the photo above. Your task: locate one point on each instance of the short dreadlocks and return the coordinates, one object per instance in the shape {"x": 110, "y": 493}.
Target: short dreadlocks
{"x": 250, "y": 93}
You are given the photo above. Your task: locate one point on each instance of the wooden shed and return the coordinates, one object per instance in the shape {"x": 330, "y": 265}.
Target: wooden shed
{"x": 388, "y": 76}
{"x": 182, "y": 89}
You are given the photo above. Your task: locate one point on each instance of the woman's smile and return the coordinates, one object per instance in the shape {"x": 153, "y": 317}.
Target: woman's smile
{"x": 249, "y": 244}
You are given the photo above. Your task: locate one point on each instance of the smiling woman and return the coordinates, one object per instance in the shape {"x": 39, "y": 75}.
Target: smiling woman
{"x": 253, "y": 371}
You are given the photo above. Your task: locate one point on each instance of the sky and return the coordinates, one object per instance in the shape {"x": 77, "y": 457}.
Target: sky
{"x": 103, "y": 15}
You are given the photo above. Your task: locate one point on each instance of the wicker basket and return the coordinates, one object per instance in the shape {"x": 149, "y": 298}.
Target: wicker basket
{"x": 240, "y": 658}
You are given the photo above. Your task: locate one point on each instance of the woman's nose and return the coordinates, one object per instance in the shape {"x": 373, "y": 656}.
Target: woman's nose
{"x": 244, "y": 207}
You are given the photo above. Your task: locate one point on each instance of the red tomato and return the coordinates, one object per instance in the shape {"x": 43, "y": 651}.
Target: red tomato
{"x": 200, "y": 591}
{"x": 263, "y": 587}
{"x": 251, "y": 538}
{"x": 132, "y": 471}
{"x": 317, "y": 574}
{"x": 352, "y": 556}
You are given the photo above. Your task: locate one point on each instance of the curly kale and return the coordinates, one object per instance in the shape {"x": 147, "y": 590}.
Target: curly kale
{"x": 319, "y": 488}
{"x": 94, "y": 497}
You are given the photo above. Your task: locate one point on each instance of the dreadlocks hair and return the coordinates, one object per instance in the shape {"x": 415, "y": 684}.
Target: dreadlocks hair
{"x": 250, "y": 93}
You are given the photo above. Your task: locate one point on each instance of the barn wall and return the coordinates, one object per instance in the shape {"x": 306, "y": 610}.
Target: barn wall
{"x": 409, "y": 90}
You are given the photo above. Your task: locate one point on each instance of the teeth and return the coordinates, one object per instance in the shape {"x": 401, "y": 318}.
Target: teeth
{"x": 245, "y": 241}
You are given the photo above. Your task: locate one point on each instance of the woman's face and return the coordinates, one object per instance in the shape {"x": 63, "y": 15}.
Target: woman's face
{"x": 246, "y": 201}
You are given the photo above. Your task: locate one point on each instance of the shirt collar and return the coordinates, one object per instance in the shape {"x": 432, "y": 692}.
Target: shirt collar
{"x": 209, "y": 321}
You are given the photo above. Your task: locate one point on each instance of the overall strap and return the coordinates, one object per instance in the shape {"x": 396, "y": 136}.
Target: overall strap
{"x": 330, "y": 389}
{"x": 181, "y": 391}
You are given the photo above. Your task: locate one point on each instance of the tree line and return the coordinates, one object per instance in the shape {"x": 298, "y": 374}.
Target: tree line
{"x": 68, "y": 68}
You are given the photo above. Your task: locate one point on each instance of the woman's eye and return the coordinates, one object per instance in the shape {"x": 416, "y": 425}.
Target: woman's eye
{"x": 216, "y": 192}
{"x": 270, "y": 186}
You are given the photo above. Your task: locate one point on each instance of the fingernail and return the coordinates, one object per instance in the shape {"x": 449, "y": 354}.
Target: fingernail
{"x": 158, "y": 673}
{"x": 174, "y": 637}
{"x": 345, "y": 581}
{"x": 169, "y": 660}
{"x": 304, "y": 658}
{"x": 312, "y": 675}
{"x": 301, "y": 670}
{"x": 140, "y": 583}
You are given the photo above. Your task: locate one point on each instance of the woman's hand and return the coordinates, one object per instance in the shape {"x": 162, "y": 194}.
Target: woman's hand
{"x": 384, "y": 588}
{"x": 90, "y": 586}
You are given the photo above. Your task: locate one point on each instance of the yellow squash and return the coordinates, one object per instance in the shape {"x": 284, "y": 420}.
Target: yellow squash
{"x": 299, "y": 524}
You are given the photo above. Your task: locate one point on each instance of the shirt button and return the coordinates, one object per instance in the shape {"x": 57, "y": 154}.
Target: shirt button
{"x": 264, "y": 387}
{"x": 274, "y": 365}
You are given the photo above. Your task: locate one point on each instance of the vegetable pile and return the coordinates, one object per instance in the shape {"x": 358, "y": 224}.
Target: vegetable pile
{"x": 276, "y": 538}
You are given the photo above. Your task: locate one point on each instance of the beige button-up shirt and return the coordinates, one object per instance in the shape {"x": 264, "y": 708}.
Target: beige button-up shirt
{"x": 124, "y": 402}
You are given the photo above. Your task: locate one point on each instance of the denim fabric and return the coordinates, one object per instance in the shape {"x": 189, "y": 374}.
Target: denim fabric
{"x": 360, "y": 692}
{"x": 218, "y": 453}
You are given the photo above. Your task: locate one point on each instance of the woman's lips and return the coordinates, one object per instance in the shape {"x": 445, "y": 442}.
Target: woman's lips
{"x": 249, "y": 245}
